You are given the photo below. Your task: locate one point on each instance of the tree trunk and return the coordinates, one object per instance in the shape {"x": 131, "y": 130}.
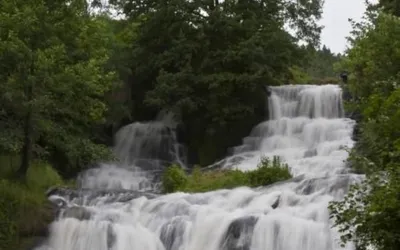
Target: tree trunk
{"x": 27, "y": 147}
{"x": 26, "y": 153}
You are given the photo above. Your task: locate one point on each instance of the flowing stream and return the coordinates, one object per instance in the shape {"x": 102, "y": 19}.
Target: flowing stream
{"x": 306, "y": 128}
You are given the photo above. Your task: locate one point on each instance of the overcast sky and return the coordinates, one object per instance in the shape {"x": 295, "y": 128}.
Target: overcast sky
{"x": 335, "y": 19}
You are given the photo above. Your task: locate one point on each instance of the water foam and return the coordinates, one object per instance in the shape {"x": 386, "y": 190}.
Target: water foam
{"x": 143, "y": 150}
{"x": 306, "y": 128}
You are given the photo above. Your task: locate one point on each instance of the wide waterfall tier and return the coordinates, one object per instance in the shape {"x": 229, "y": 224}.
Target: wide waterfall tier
{"x": 311, "y": 101}
{"x": 143, "y": 150}
{"x": 306, "y": 129}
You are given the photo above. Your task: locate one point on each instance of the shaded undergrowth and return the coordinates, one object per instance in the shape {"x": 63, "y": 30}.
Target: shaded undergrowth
{"x": 24, "y": 209}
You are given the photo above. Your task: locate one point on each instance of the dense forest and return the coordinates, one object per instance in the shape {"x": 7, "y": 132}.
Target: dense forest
{"x": 72, "y": 73}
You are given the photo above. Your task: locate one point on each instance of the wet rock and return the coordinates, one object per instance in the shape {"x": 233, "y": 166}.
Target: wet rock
{"x": 276, "y": 203}
{"x": 58, "y": 202}
{"x": 342, "y": 183}
{"x": 83, "y": 196}
{"x": 110, "y": 237}
{"x": 239, "y": 234}
{"x": 246, "y": 202}
{"x": 310, "y": 153}
{"x": 79, "y": 213}
{"x": 172, "y": 233}
{"x": 306, "y": 187}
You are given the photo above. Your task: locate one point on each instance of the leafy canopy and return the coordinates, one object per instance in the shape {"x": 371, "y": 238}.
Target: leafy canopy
{"x": 369, "y": 214}
{"x": 52, "y": 58}
{"x": 208, "y": 61}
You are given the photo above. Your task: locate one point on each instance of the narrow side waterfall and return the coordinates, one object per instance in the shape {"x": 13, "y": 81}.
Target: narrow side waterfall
{"x": 143, "y": 150}
{"x": 306, "y": 129}
{"x": 149, "y": 145}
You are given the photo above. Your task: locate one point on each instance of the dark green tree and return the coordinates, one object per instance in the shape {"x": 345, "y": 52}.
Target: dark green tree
{"x": 388, "y": 6}
{"x": 53, "y": 80}
{"x": 369, "y": 214}
{"x": 208, "y": 62}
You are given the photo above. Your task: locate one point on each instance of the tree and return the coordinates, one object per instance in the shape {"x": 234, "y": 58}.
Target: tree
{"x": 316, "y": 66}
{"x": 208, "y": 61}
{"x": 369, "y": 214}
{"x": 388, "y": 6}
{"x": 53, "y": 79}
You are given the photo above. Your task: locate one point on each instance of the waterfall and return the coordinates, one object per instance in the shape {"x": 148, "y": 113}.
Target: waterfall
{"x": 306, "y": 128}
{"x": 143, "y": 150}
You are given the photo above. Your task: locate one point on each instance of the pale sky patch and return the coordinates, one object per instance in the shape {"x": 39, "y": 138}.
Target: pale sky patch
{"x": 337, "y": 26}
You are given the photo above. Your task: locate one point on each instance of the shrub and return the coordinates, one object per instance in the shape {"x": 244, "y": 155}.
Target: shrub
{"x": 23, "y": 213}
{"x": 267, "y": 172}
{"x": 41, "y": 176}
{"x": 174, "y": 179}
{"x": 9, "y": 165}
{"x": 24, "y": 209}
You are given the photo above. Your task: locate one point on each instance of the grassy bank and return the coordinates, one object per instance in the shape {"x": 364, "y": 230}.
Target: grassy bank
{"x": 24, "y": 209}
{"x": 268, "y": 171}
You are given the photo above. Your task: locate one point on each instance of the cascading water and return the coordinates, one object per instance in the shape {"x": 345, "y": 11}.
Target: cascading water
{"x": 143, "y": 150}
{"x": 306, "y": 129}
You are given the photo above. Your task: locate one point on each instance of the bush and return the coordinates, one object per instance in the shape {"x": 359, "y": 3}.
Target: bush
{"x": 24, "y": 209}
{"x": 9, "y": 165}
{"x": 174, "y": 179}
{"x": 41, "y": 176}
{"x": 267, "y": 172}
{"x": 23, "y": 213}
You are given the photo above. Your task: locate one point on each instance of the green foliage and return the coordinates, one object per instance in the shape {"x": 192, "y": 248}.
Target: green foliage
{"x": 23, "y": 213}
{"x": 389, "y": 6}
{"x": 317, "y": 67}
{"x": 174, "y": 178}
{"x": 24, "y": 209}
{"x": 208, "y": 62}
{"x": 369, "y": 213}
{"x": 374, "y": 86}
{"x": 41, "y": 176}
{"x": 52, "y": 90}
{"x": 267, "y": 172}
{"x": 9, "y": 165}
{"x": 320, "y": 63}
{"x": 373, "y": 58}
{"x": 299, "y": 76}
{"x": 8, "y": 224}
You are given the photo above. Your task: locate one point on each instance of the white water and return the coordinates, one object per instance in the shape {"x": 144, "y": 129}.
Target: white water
{"x": 306, "y": 129}
{"x": 143, "y": 150}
